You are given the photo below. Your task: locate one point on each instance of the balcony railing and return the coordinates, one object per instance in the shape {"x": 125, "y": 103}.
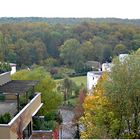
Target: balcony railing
{"x": 21, "y": 120}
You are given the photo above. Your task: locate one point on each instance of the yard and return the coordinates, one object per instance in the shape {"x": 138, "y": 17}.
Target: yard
{"x": 78, "y": 80}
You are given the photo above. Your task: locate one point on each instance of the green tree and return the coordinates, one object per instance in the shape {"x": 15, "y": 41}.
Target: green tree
{"x": 122, "y": 90}
{"x": 68, "y": 51}
{"x": 67, "y": 86}
{"x": 1, "y": 47}
{"x": 22, "y": 51}
{"x": 119, "y": 48}
{"x": 51, "y": 98}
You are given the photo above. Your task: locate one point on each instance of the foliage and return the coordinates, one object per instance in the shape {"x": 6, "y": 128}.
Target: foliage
{"x": 2, "y": 97}
{"x": 61, "y": 72}
{"x": 49, "y": 122}
{"x": 5, "y": 118}
{"x": 73, "y": 45}
{"x": 98, "y": 121}
{"x": 119, "y": 48}
{"x": 50, "y": 97}
{"x": 68, "y": 51}
{"x": 123, "y": 93}
{"x": 79, "y": 80}
{"x": 53, "y": 115}
{"x": 37, "y": 73}
{"x": 67, "y": 21}
{"x": 112, "y": 111}
{"x": 78, "y": 110}
{"x": 44, "y": 125}
{"x": 4, "y": 67}
{"x": 67, "y": 87}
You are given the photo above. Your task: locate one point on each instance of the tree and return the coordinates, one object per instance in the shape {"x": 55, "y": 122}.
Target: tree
{"x": 79, "y": 110}
{"x": 22, "y": 51}
{"x": 87, "y": 50}
{"x": 1, "y": 47}
{"x": 97, "y": 118}
{"x": 51, "y": 98}
{"x": 113, "y": 109}
{"x": 119, "y": 48}
{"x": 66, "y": 86}
{"x": 39, "y": 51}
{"x": 68, "y": 51}
{"x": 122, "y": 90}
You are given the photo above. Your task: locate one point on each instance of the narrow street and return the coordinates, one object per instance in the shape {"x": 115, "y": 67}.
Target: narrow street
{"x": 67, "y": 130}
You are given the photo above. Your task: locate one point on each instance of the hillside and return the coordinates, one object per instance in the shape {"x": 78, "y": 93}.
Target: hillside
{"x": 68, "y": 21}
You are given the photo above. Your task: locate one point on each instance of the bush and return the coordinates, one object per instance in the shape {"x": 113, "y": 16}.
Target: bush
{"x": 41, "y": 124}
{"x": 5, "y": 119}
{"x": 51, "y": 115}
{"x": 2, "y": 97}
{"x": 61, "y": 72}
{"x": 4, "y": 67}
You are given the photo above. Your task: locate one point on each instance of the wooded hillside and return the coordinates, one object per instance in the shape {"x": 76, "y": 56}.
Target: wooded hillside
{"x": 28, "y": 43}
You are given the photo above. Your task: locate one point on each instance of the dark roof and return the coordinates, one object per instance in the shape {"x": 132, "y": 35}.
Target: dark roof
{"x": 96, "y": 72}
{"x": 17, "y": 86}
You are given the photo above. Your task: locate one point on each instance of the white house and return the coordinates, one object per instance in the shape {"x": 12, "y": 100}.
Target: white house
{"x": 93, "y": 76}
{"x": 92, "y": 79}
{"x": 13, "y": 68}
{"x": 106, "y": 67}
{"x": 122, "y": 57}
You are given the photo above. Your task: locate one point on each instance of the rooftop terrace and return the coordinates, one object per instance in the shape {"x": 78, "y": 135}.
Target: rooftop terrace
{"x": 10, "y": 107}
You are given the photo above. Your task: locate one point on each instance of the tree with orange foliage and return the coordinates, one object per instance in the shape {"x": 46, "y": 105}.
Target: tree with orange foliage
{"x": 98, "y": 120}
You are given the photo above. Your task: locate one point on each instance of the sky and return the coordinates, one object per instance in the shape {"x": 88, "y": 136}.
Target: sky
{"x": 71, "y": 8}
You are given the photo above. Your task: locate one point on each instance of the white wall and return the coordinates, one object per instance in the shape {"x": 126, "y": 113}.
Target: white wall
{"x": 92, "y": 79}
{"x": 106, "y": 67}
{"x": 13, "y": 69}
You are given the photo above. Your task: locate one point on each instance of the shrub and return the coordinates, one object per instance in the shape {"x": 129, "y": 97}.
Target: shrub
{"x": 4, "y": 67}
{"x": 4, "y": 119}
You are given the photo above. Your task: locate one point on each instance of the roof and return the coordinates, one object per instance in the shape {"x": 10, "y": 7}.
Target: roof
{"x": 13, "y": 64}
{"x": 17, "y": 86}
{"x": 95, "y": 72}
{"x": 95, "y": 64}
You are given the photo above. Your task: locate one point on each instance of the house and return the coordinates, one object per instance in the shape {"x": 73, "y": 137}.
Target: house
{"x": 21, "y": 103}
{"x": 93, "y": 76}
{"x": 92, "y": 79}
{"x": 106, "y": 66}
{"x": 95, "y": 65}
{"x": 122, "y": 57}
{"x": 13, "y": 68}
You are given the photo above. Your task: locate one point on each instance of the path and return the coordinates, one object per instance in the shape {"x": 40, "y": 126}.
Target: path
{"x": 67, "y": 129}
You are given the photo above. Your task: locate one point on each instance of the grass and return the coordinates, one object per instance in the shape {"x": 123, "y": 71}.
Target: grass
{"x": 78, "y": 80}
{"x": 72, "y": 101}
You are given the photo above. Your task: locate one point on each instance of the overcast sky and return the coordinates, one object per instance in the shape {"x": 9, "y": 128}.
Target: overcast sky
{"x": 70, "y": 8}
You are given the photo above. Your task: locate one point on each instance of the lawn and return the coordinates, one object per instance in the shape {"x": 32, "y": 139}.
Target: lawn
{"x": 78, "y": 80}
